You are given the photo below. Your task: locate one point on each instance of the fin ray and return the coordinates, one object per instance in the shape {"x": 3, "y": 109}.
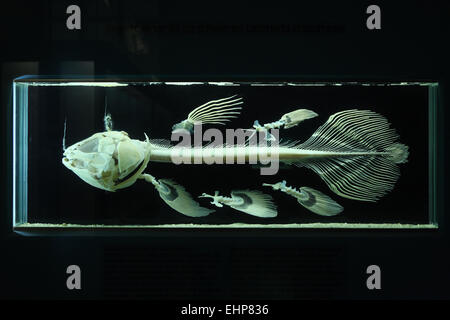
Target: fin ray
{"x": 255, "y": 203}
{"x": 180, "y": 200}
{"x": 319, "y": 202}
{"x": 216, "y": 109}
{"x": 293, "y": 118}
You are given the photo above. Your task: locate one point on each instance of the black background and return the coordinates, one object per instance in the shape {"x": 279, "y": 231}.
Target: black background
{"x": 242, "y": 263}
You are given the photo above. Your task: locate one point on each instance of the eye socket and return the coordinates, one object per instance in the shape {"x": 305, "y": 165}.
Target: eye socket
{"x": 89, "y": 146}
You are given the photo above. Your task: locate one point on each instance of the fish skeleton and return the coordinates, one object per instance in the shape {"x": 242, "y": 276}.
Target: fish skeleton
{"x": 355, "y": 152}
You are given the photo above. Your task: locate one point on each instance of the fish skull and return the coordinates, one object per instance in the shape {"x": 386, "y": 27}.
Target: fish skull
{"x": 108, "y": 160}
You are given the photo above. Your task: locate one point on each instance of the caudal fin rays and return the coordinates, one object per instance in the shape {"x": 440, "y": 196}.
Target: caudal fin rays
{"x": 365, "y": 167}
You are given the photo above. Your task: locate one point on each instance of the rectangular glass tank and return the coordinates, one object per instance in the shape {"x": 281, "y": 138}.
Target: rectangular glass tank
{"x": 353, "y": 154}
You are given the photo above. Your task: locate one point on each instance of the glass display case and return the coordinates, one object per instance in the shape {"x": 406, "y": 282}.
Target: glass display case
{"x": 129, "y": 152}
